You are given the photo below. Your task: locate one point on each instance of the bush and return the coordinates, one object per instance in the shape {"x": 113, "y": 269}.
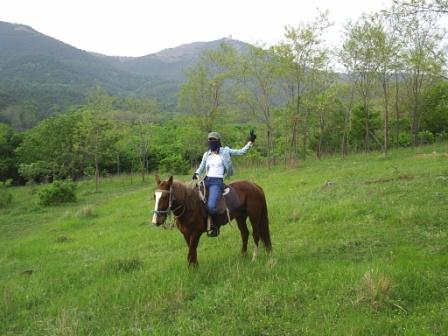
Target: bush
{"x": 442, "y": 136}
{"x": 5, "y": 196}
{"x": 425, "y": 137}
{"x": 404, "y": 139}
{"x": 58, "y": 192}
{"x": 174, "y": 164}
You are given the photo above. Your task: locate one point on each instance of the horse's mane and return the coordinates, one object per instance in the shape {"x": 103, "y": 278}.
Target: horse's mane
{"x": 188, "y": 193}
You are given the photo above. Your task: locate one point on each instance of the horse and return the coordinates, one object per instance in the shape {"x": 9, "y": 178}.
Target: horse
{"x": 191, "y": 218}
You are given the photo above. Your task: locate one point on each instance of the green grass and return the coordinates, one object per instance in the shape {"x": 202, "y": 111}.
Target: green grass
{"x": 364, "y": 254}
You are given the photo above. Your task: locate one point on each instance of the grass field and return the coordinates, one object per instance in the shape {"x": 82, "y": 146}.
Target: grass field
{"x": 360, "y": 247}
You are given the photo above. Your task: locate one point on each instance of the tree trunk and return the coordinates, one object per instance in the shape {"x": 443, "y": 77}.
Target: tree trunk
{"x": 269, "y": 138}
{"x": 386, "y": 115}
{"x": 118, "y": 164}
{"x": 397, "y": 111}
{"x": 97, "y": 173}
{"x": 321, "y": 131}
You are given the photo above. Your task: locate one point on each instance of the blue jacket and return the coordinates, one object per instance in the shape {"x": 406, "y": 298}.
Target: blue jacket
{"x": 225, "y": 153}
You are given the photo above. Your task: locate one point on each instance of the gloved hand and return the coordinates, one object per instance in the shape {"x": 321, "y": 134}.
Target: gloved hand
{"x": 195, "y": 176}
{"x": 251, "y": 136}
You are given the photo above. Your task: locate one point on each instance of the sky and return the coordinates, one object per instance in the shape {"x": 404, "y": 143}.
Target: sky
{"x": 141, "y": 27}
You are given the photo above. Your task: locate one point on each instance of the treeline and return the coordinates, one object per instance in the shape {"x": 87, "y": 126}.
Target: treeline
{"x": 391, "y": 92}
{"x": 108, "y": 135}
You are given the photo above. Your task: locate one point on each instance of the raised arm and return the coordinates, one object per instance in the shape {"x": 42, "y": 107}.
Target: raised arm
{"x": 251, "y": 138}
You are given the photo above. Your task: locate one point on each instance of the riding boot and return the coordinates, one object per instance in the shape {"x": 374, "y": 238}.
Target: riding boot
{"x": 212, "y": 226}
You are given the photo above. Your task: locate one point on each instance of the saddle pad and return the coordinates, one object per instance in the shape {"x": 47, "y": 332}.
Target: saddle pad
{"x": 230, "y": 200}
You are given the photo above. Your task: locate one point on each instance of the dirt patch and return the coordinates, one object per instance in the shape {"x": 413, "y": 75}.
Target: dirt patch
{"x": 390, "y": 179}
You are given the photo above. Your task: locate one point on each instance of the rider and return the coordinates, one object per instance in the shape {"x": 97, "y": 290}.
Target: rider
{"x": 217, "y": 163}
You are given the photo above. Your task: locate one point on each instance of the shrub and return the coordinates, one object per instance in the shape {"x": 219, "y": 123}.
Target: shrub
{"x": 86, "y": 212}
{"x": 5, "y": 196}
{"x": 442, "y": 136}
{"x": 174, "y": 164}
{"x": 404, "y": 139}
{"x": 58, "y": 192}
{"x": 375, "y": 289}
{"x": 425, "y": 137}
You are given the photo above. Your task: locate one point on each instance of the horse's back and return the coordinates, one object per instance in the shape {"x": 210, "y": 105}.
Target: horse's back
{"x": 248, "y": 190}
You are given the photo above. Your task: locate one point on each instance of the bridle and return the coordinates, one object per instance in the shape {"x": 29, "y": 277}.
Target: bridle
{"x": 172, "y": 198}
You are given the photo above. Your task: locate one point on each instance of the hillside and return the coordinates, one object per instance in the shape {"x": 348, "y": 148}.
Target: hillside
{"x": 41, "y": 76}
{"x": 360, "y": 248}
{"x": 170, "y": 64}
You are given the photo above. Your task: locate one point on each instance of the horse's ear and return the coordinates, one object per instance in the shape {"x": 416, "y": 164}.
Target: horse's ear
{"x": 170, "y": 180}
{"x": 157, "y": 179}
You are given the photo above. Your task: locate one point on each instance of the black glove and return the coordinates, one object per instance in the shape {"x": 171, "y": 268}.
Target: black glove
{"x": 195, "y": 176}
{"x": 251, "y": 136}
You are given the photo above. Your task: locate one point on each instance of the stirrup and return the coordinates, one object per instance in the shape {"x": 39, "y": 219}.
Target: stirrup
{"x": 214, "y": 232}
{"x": 212, "y": 229}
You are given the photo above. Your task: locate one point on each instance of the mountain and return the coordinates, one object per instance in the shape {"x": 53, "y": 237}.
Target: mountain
{"x": 170, "y": 64}
{"x": 41, "y": 76}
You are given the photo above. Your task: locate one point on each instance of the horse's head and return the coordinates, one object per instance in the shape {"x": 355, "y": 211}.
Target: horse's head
{"x": 163, "y": 197}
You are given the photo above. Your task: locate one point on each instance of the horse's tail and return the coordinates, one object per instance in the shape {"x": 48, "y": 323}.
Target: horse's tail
{"x": 265, "y": 236}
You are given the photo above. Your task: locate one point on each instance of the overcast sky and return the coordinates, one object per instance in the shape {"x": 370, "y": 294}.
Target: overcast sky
{"x": 141, "y": 27}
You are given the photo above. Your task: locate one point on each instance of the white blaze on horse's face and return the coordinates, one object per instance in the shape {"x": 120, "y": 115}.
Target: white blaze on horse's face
{"x": 158, "y": 195}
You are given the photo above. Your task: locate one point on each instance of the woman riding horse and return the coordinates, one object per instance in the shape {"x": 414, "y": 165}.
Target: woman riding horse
{"x": 217, "y": 163}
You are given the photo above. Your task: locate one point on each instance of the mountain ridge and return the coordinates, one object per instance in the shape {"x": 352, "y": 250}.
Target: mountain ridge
{"x": 41, "y": 76}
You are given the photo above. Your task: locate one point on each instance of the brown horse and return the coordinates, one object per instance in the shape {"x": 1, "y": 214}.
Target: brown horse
{"x": 191, "y": 219}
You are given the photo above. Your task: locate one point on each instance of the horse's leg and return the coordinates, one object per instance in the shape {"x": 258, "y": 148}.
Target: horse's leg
{"x": 187, "y": 238}
{"x": 192, "y": 247}
{"x": 255, "y": 235}
{"x": 244, "y": 232}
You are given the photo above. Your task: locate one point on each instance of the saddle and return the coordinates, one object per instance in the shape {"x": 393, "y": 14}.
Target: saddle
{"x": 229, "y": 200}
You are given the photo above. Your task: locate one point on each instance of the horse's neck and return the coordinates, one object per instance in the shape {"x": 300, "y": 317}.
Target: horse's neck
{"x": 185, "y": 195}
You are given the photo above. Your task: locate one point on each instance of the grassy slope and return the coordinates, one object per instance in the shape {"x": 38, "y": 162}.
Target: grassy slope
{"x": 366, "y": 255}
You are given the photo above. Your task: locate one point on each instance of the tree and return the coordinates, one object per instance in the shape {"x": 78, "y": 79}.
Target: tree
{"x": 48, "y": 149}
{"x": 358, "y": 55}
{"x": 435, "y": 118}
{"x": 93, "y": 136}
{"x": 9, "y": 141}
{"x": 143, "y": 111}
{"x": 423, "y": 59}
{"x": 416, "y": 6}
{"x": 257, "y": 89}
{"x": 202, "y": 95}
{"x": 302, "y": 56}
{"x": 386, "y": 48}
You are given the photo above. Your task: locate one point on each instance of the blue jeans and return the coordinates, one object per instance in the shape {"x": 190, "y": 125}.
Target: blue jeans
{"x": 215, "y": 187}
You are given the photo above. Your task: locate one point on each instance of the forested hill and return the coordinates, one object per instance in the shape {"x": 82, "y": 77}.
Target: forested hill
{"x": 170, "y": 64}
{"x": 41, "y": 76}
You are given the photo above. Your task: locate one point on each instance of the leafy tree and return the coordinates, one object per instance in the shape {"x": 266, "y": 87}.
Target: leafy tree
{"x": 358, "y": 55}
{"x": 413, "y": 6}
{"x": 9, "y": 141}
{"x": 435, "y": 117}
{"x": 302, "y": 55}
{"x": 359, "y": 131}
{"x": 94, "y": 139}
{"x": 386, "y": 47}
{"x": 257, "y": 89}
{"x": 422, "y": 57}
{"x": 202, "y": 95}
{"x": 48, "y": 150}
{"x": 143, "y": 111}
